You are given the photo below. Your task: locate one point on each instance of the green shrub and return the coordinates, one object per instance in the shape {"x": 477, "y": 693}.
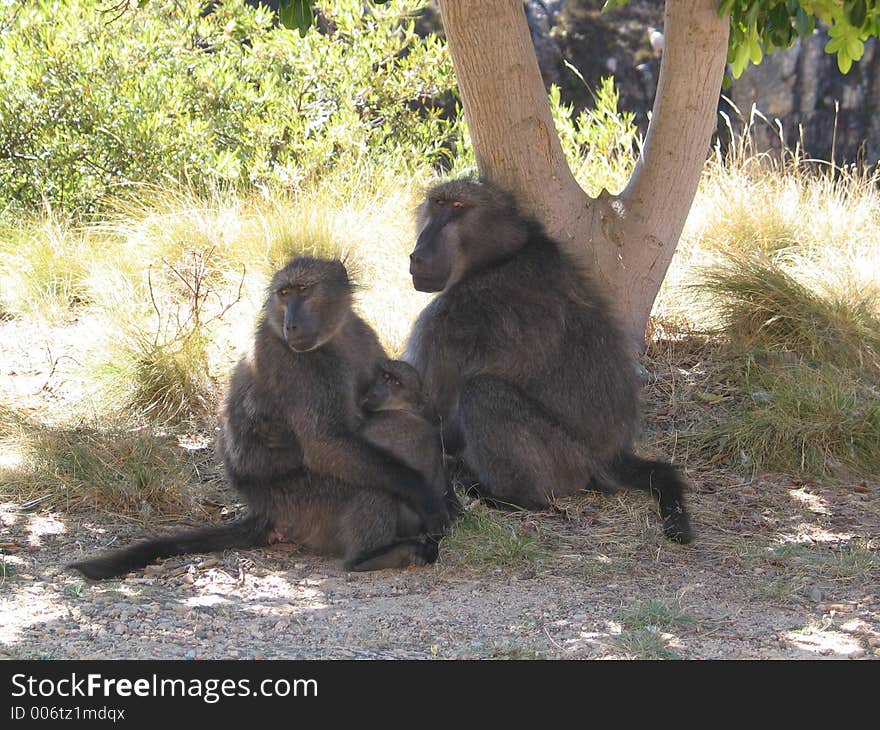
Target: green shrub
{"x": 187, "y": 89}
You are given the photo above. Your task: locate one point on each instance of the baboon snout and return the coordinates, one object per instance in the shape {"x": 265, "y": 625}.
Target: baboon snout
{"x": 416, "y": 262}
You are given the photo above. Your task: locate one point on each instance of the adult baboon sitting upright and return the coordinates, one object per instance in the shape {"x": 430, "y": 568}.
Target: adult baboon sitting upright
{"x": 291, "y": 445}
{"x": 520, "y": 353}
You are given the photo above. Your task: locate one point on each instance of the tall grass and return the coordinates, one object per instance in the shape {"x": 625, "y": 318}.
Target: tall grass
{"x": 762, "y": 305}
{"x": 780, "y": 263}
{"x": 797, "y": 418}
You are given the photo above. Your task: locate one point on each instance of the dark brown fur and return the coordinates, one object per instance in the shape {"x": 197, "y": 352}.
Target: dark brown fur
{"x": 401, "y": 420}
{"x": 291, "y": 446}
{"x": 524, "y": 360}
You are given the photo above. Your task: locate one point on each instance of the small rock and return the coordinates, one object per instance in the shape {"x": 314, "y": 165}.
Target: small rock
{"x": 814, "y": 594}
{"x": 874, "y": 642}
{"x": 188, "y": 579}
{"x": 154, "y": 569}
{"x": 191, "y": 654}
{"x": 209, "y": 563}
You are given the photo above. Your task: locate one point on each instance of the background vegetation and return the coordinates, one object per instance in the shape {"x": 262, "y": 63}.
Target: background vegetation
{"x": 156, "y": 167}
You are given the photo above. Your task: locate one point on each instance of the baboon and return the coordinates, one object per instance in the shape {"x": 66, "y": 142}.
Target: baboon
{"x": 401, "y": 420}
{"x": 290, "y": 441}
{"x": 523, "y": 359}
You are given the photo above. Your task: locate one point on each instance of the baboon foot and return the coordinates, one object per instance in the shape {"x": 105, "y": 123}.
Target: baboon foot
{"x": 397, "y": 555}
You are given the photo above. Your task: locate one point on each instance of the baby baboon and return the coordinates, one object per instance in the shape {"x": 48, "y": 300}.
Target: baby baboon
{"x": 523, "y": 359}
{"x": 291, "y": 446}
{"x": 402, "y": 421}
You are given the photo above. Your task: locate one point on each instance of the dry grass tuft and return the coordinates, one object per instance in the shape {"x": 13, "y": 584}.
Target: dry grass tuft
{"x": 799, "y": 419}
{"x": 762, "y": 306}
{"x": 128, "y": 471}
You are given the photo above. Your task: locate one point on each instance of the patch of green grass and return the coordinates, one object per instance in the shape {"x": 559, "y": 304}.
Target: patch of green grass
{"x": 113, "y": 468}
{"x": 646, "y": 643}
{"x": 799, "y": 419}
{"x": 74, "y": 590}
{"x": 657, "y": 613}
{"x": 484, "y": 539}
{"x": 778, "y": 588}
{"x": 165, "y": 382}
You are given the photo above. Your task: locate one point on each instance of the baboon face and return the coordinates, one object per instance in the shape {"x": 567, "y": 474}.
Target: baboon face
{"x": 462, "y": 225}
{"x": 396, "y": 387}
{"x": 309, "y": 300}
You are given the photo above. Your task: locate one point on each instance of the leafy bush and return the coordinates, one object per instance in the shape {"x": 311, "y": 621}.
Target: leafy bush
{"x": 600, "y": 143}
{"x": 190, "y": 89}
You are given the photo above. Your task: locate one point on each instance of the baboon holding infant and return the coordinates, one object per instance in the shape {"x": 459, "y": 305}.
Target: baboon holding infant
{"x": 292, "y": 446}
{"x": 527, "y": 368}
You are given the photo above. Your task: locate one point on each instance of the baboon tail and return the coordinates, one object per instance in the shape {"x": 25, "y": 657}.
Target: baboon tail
{"x": 661, "y": 479}
{"x": 248, "y": 531}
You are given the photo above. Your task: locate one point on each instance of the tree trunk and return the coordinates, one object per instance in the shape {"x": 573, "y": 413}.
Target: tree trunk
{"x": 627, "y": 239}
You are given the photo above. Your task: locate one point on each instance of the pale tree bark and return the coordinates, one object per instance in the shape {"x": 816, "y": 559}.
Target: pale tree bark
{"x": 627, "y": 239}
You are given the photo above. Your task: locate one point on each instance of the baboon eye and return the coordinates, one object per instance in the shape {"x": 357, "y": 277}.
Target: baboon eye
{"x": 457, "y": 204}
{"x": 396, "y": 383}
{"x": 284, "y": 291}
{"x": 439, "y": 201}
{"x": 303, "y": 288}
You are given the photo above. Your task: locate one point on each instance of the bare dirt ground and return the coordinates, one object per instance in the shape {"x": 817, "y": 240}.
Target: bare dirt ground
{"x": 780, "y": 569}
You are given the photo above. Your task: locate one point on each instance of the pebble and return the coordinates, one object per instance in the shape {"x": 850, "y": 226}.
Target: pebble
{"x": 154, "y": 569}
{"x": 190, "y": 654}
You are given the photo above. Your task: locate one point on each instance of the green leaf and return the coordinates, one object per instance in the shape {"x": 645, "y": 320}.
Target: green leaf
{"x": 803, "y": 22}
{"x": 752, "y": 15}
{"x": 611, "y": 4}
{"x": 856, "y": 12}
{"x": 296, "y": 14}
{"x": 844, "y": 62}
{"x": 740, "y": 59}
{"x": 755, "y": 52}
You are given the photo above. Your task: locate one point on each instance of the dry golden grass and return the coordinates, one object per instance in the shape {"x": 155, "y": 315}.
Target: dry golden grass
{"x": 131, "y": 471}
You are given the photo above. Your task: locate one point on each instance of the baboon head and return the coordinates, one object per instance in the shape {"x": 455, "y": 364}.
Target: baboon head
{"x": 309, "y": 301}
{"x": 463, "y": 226}
{"x": 396, "y": 387}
